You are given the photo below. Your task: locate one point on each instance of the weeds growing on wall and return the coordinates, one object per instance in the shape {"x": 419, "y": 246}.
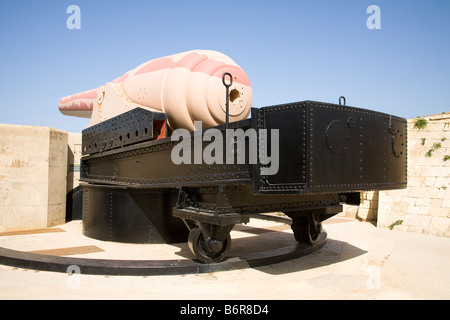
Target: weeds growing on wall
{"x": 420, "y": 123}
{"x": 436, "y": 146}
{"x": 396, "y": 223}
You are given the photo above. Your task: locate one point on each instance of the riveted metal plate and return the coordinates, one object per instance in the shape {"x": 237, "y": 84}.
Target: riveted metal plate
{"x": 134, "y": 126}
{"x": 328, "y": 147}
{"x": 322, "y": 148}
{"x": 355, "y": 149}
{"x": 291, "y": 122}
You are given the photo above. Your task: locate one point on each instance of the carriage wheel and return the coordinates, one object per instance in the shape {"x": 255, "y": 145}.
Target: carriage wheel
{"x": 210, "y": 250}
{"x": 307, "y": 228}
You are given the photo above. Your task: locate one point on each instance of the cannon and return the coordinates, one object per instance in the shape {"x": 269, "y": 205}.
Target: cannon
{"x": 148, "y": 180}
{"x": 186, "y": 87}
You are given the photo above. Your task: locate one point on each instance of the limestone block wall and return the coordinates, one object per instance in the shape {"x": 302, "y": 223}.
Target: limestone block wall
{"x": 424, "y": 206}
{"x": 33, "y": 171}
{"x": 368, "y": 209}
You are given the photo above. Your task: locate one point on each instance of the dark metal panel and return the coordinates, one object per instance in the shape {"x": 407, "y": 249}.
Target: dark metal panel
{"x": 374, "y": 149}
{"x": 334, "y": 147}
{"x": 134, "y": 126}
{"x": 398, "y": 152}
{"x": 150, "y": 165}
{"x": 291, "y": 122}
{"x": 118, "y": 214}
{"x": 353, "y": 149}
{"x": 239, "y": 199}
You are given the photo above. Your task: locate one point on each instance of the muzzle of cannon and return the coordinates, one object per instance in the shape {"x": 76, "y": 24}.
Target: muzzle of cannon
{"x": 170, "y": 155}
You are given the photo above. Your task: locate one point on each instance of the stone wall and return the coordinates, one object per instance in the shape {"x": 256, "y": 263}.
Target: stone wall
{"x": 33, "y": 170}
{"x": 424, "y": 206}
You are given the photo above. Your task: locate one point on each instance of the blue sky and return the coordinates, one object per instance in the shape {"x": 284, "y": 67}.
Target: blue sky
{"x": 291, "y": 51}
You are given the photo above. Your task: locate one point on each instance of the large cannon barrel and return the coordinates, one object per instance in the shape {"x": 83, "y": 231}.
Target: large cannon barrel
{"x": 186, "y": 86}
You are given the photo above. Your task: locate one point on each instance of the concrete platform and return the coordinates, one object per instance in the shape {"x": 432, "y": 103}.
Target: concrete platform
{"x": 110, "y": 258}
{"x": 358, "y": 261}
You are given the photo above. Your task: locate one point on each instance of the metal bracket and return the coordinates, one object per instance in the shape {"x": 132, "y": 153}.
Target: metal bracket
{"x": 220, "y": 213}
{"x": 227, "y": 98}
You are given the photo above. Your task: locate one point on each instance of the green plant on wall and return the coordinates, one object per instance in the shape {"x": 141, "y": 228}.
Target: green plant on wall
{"x": 396, "y": 223}
{"x": 436, "y": 146}
{"x": 420, "y": 123}
{"x": 446, "y": 157}
{"x": 423, "y": 141}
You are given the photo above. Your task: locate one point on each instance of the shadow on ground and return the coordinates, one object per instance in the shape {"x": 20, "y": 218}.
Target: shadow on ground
{"x": 335, "y": 251}
{"x": 263, "y": 240}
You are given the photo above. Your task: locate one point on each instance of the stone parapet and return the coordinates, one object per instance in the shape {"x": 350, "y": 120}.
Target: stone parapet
{"x": 33, "y": 171}
{"x": 423, "y": 207}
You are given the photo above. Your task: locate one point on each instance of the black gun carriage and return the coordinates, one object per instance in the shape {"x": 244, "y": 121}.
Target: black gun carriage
{"x": 327, "y": 153}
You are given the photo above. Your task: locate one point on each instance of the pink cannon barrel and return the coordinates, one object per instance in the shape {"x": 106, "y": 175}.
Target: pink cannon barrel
{"x": 186, "y": 86}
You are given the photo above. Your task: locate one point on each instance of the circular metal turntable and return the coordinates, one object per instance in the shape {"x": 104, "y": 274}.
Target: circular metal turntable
{"x": 275, "y": 239}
